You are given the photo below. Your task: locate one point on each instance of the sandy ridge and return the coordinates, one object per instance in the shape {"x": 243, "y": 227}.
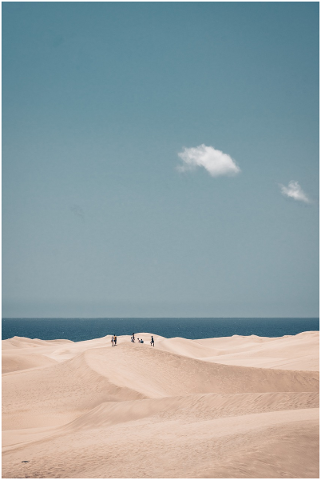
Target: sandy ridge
{"x": 176, "y": 410}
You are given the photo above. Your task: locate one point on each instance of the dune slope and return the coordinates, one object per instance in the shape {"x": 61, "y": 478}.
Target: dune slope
{"x": 89, "y": 410}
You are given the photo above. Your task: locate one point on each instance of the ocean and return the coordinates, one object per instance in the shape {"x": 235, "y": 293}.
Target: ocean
{"x": 80, "y": 329}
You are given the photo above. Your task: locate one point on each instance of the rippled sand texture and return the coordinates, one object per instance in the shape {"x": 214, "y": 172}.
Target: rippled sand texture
{"x": 220, "y": 407}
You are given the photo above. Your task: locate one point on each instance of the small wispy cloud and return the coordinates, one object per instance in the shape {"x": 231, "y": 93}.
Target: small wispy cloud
{"x": 214, "y": 161}
{"x": 293, "y": 190}
{"x": 78, "y": 211}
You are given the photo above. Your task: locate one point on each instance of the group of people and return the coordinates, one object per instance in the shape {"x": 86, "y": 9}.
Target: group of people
{"x": 140, "y": 340}
{"x": 132, "y": 338}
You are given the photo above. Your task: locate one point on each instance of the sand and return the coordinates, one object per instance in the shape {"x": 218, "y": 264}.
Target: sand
{"x": 230, "y": 407}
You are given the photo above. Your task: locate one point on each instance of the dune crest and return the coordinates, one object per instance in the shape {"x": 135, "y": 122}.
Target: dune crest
{"x": 222, "y": 407}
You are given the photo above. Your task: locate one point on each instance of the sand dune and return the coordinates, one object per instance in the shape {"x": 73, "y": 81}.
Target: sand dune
{"x": 12, "y": 362}
{"x": 202, "y": 408}
{"x": 296, "y": 352}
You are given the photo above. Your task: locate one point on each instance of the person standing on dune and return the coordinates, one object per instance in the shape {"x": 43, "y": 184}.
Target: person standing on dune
{"x": 115, "y": 340}
{"x": 112, "y": 340}
{"x": 152, "y": 341}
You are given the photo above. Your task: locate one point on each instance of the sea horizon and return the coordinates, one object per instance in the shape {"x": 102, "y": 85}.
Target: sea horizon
{"x": 148, "y": 317}
{"x": 88, "y": 328}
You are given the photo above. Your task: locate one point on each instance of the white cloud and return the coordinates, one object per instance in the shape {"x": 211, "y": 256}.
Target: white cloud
{"x": 293, "y": 190}
{"x": 214, "y": 161}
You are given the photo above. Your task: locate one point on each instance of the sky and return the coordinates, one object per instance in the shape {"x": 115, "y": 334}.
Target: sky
{"x": 160, "y": 159}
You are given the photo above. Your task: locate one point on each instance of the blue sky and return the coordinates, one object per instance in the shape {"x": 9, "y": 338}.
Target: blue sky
{"x": 160, "y": 159}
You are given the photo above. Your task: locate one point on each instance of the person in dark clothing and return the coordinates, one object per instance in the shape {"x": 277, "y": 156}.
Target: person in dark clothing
{"x": 152, "y": 341}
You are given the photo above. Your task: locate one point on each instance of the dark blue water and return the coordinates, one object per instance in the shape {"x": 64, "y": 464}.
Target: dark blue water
{"x": 79, "y": 329}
